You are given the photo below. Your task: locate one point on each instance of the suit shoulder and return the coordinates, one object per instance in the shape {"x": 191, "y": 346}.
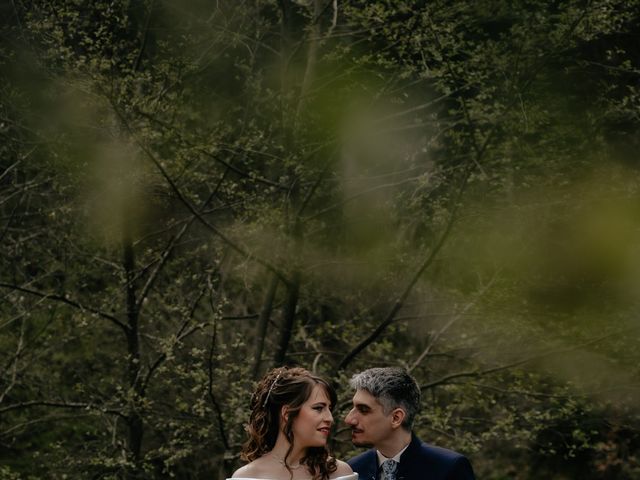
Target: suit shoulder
{"x": 362, "y": 458}
{"x": 439, "y": 452}
{"x": 453, "y": 463}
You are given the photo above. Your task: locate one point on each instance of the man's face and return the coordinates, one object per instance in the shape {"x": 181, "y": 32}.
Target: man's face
{"x": 369, "y": 424}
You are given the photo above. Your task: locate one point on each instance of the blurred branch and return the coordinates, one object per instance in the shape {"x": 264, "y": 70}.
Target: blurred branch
{"x": 145, "y": 37}
{"x": 450, "y": 323}
{"x": 479, "y": 373}
{"x": 518, "y": 392}
{"x": 312, "y": 59}
{"x": 321, "y": 176}
{"x": 358, "y": 195}
{"x": 388, "y": 320}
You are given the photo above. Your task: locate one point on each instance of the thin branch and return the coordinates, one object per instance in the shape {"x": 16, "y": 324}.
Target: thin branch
{"x": 12, "y": 216}
{"x": 49, "y": 418}
{"x": 169, "y": 249}
{"x": 14, "y": 362}
{"x": 180, "y": 335}
{"x": 187, "y": 203}
{"x": 242, "y": 173}
{"x": 12, "y": 166}
{"x": 71, "y": 405}
{"x": 251, "y": 316}
{"x": 72, "y": 303}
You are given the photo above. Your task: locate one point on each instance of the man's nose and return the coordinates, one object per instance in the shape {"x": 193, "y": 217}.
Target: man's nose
{"x": 349, "y": 418}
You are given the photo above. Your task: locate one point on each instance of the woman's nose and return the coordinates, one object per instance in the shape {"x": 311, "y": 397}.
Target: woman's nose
{"x": 329, "y": 416}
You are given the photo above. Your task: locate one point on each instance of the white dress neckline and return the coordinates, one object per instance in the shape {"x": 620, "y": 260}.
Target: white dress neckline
{"x": 352, "y": 476}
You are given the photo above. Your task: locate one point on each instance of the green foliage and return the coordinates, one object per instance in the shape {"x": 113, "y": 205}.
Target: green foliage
{"x": 191, "y": 193}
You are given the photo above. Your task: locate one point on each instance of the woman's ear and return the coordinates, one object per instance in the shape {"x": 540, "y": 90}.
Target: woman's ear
{"x": 284, "y": 414}
{"x": 397, "y": 417}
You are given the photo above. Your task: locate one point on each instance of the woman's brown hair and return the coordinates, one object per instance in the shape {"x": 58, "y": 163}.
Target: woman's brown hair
{"x": 289, "y": 387}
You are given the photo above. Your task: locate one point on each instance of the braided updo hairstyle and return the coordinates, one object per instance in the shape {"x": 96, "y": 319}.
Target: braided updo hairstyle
{"x": 291, "y": 387}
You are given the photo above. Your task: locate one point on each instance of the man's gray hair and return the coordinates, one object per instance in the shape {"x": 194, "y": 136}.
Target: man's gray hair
{"x": 393, "y": 387}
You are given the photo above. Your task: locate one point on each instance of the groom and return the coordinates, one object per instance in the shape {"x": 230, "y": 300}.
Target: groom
{"x": 385, "y": 403}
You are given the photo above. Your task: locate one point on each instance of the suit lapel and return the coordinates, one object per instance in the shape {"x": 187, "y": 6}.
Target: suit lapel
{"x": 408, "y": 461}
{"x": 371, "y": 472}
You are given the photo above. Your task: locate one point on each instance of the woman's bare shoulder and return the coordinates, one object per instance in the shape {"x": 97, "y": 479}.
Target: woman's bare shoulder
{"x": 255, "y": 469}
{"x": 342, "y": 470}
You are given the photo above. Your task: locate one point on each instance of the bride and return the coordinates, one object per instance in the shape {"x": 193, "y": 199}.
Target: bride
{"x": 288, "y": 430}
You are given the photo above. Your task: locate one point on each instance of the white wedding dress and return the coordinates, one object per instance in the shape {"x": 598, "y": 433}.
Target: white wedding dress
{"x": 353, "y": 476}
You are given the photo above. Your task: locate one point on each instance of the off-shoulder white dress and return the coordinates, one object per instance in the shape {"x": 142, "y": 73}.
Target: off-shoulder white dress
{"x": 353, "y": 476}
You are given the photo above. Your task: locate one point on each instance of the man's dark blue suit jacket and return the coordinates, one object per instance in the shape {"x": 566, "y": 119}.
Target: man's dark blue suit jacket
{"x": 418, "y": 462}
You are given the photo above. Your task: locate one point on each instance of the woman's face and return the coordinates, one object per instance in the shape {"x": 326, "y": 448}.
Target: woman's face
{"x": 312, "y": 426}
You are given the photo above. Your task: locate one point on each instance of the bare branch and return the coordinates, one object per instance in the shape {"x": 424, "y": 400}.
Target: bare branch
{"x": 14, "y": 363}
{"x": 49, "y": 418}
{"x": 71, "y": 405}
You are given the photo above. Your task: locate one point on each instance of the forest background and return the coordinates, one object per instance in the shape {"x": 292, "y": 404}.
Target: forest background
{"x": 193, "y": 192}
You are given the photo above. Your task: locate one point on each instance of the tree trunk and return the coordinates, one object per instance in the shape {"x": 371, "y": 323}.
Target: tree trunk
{"x": 288, "y": 319}
{"x": 263, "y": 323}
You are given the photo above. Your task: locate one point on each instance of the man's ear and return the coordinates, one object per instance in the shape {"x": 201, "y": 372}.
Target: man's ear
{"x": 397, "y": 417}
